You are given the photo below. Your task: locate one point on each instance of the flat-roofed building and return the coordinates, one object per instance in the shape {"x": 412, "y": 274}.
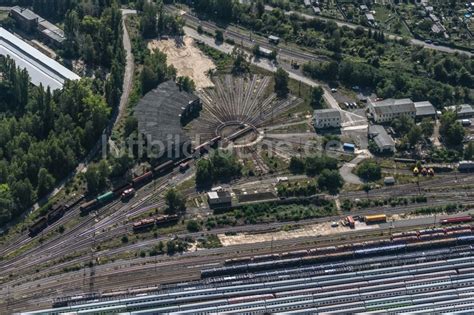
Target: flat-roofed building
{"x": 264, "y": 52}
{"x": 326, "y": 118}
{"x": 219, "y": 199}
{"x": 50, "y": 33}
{"x": 389, "y": 109}
{"x": 41, "y": 69}
{"x": 274, "y": 39}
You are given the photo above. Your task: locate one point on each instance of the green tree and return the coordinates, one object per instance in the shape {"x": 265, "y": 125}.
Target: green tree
{"x": 403, "y": 124}
{"x": 296, "y": 165}
{"x": 204, "y": 173}
{"x": 369, "y": 170}
{"x": 6, "y": 203}
{"x": 367, "y": 188}
{"x": 186, "y": 83}
{"x": 96, "y": 176}
{"x": 281, "y": 82}
{"x": 23, "y": 193}
{"x": 469, "y": 151}
{"x": 256, "y": 50}
{"x": 316, "y": 100}
{"x": 155, "y": 71}
{"x": 316, "y": 164}
{"x": 427, "y": 127}
{"x": 148, "y": 20}
{"x": 193, "y": 226}
{"x": 131, "y": 125}
{"x": 241, "y": 65}
{"x": 451, "y": 130}
{"x": 219, "y": 36}
{"x": 414, "y": 135}
{"x": 220, "y": 167}
{"x": 45, "y": 182}
{"x": 170, "y": 247}
{"x": 330, "y": 180}
{"x": 175, "y": 201}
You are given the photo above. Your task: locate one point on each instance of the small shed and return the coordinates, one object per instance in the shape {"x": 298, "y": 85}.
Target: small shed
{"x": 389, "y": 180}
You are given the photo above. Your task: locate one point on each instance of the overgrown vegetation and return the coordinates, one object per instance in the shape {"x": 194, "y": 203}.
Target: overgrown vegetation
{"x": 271, "y": 212}
{"x": 221, "y": 166}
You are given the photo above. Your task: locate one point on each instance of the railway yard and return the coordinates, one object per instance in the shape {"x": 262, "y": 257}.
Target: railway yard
{"x": 273, "y": 190}
{"x": 393, "y": 278}
{"x": 35, "y": 277}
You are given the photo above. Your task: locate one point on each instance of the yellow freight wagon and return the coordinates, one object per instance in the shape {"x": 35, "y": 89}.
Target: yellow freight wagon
{"x": 375, "y": 218}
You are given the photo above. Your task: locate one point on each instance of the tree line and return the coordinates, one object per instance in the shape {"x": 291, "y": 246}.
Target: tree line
{"x": 43, "y": 135}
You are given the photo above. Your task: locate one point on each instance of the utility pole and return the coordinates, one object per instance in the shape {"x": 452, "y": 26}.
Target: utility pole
{"x": 92, "y": 262}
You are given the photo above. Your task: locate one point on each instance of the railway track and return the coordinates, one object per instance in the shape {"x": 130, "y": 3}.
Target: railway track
{"x": 70, "y": 235}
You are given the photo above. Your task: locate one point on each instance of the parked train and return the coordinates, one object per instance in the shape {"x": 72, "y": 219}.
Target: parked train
{"x": 466, "y": 166}
{"x": 54, "y": 214}
{"x": 461, "y": 219}
{"x": 150, "y": 222}
{"x": 58, "y": 211}
{"x": 407, "y": 241}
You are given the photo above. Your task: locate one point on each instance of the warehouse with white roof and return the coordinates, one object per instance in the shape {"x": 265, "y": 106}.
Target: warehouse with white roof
{"x": 41, "y": 69}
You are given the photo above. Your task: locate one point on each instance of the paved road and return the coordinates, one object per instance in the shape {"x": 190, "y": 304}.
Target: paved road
{"x": 390, "y": 36}
{"x": 263, "y": 63}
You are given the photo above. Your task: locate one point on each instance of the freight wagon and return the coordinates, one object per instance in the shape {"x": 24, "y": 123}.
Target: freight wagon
{"x": 108, "y": 196}
{"x": 163, "y": 219}
{"x": 143, "y": 224}
{"x": 466, "y": 166}
{"x": 88, "y": 206}
{"x": 163, "y": 168}
{"x": 378, "y": 218}
{"x": 56, "y": 213}
{"x": 140, "y": 180}
{"x": 461, "y": 219}
{"x": 38, "y": 226}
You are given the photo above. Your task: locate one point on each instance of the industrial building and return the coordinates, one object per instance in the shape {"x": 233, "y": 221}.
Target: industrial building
{"x": 41, "y": 69}
{"x": 463, "y": 111}
{"x": 25, "y": 18}
{"x": 389, "y": 109}
{"x": 29, "y": 21}
{"x": 424, "y": 110}
{"x": 264, "y": 52}
{"x": 160, "y": 114}
{"x": 219, "y": 199}
{"x": 326, "y": 118}
{"x": 382, "y": 139}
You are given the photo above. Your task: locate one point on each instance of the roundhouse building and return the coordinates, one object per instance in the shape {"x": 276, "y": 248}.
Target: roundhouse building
{"x": 160, "y": 115}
